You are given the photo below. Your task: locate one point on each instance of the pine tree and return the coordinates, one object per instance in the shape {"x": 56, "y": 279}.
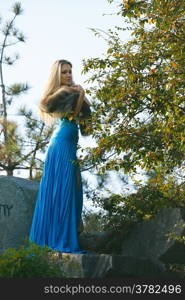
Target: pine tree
{"x": 18, "y": 150}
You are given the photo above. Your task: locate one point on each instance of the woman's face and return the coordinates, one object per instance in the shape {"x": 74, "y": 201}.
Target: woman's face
{"x": 66, "y": 75}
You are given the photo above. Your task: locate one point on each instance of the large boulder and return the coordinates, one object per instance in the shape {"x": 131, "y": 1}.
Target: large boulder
{"x": 95, "y": 241}
{"x": 149, "y": 240}
{"x": 17, "y": 202}
{"x": 111, "y": 266}
{"x": 145, "y": 250}
{"x": 176, "y": 253}
{"x": 152, "y": 239}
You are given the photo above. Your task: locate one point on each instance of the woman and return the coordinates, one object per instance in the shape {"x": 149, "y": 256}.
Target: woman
{"x": 57, "y": 214}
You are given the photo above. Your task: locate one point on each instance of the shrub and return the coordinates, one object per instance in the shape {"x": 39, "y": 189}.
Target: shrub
{"x": 29, "y": 261}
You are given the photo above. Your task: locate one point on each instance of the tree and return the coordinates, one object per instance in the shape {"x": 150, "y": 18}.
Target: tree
{"x": 10, "y": 145}
{"x": 138, "y": 112}
{"x": 18, "y": 151}
{"x": 139, "y": 105}
{"x": 36, "y": 139}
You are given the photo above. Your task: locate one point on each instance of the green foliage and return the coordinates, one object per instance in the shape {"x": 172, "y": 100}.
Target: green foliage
{"x": 11, "y": 142}
{"x": 139, "y": 90}
{"x": 37, "y": 136}
{"x": 18, "y": 151}
{"x": 29, "y": 261}
{"x": 139, "y": 110}
{"x": 17, "y": 9}
{"x": 17, "y": 88}
{"x": 122, "y": 211}
{"x": 180, "y": 268}
{"x": 92, "y": 221}
{"x": 119, "y": 212}
{"x": 11, "y": 150}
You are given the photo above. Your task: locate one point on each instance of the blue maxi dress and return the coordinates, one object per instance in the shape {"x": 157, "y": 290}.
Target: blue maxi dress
{"x": 58, "y": 208}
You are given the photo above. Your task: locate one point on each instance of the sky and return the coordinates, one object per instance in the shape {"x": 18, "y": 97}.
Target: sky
{"x": 57, "y": 29}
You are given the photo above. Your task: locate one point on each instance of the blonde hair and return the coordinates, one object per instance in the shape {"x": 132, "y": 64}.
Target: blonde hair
{"x": 54, "y": 82}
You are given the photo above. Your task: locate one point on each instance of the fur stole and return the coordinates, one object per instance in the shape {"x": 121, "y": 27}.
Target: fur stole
{"x": 65, "y": 102}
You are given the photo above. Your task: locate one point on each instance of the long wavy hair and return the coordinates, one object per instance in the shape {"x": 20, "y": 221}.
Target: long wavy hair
{"x": 54, "y": 82}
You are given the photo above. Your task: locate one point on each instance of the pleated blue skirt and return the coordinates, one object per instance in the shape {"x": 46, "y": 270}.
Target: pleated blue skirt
{"x": 58, "y": 208}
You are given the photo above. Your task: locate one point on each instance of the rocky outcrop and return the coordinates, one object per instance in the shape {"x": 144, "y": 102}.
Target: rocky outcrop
{"x": 108, "y": 266}
{"x": 149, "y": 239}
{"x": 17, "y": 201}
{"x": 153, "y": 238}
{"x": 95, "y": 241}
{"x": 144, "y": 251}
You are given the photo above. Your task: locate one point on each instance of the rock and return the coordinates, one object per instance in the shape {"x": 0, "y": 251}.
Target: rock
{"x": 142, "y": 250}
{"x": 94, "y": 241}
{"x": 17, "y": 202}
{"x": 149, "y": 239}
{"x": 145, "y": 249}
{"x": 108, "y": 266}
{"x": 175, "y": 254}
{"x": 81, "y": 227}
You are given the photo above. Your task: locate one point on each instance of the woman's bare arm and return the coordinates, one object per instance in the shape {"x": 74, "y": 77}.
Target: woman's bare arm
{"x": 63, "y": 89}
{"x": 79, "y": 103}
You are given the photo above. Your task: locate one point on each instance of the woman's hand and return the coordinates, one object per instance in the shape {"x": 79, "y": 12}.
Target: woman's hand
{"x": 73, "y": 89}
{"x": 78, "y": 88}
{"x": 81, "y": 91}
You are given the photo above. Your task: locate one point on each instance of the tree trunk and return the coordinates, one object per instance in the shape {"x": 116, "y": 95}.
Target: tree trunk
{"x": 9, "y": 172}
